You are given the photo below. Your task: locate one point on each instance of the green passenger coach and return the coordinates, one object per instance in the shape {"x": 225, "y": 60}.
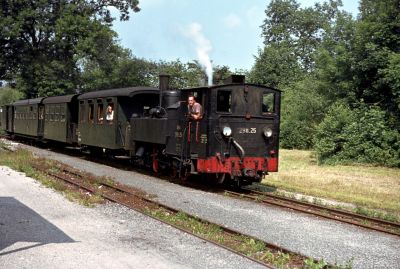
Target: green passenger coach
{"x": 61, "y": 118}
{"x": 29, "y": 118}
{"x": 104, "y": 115}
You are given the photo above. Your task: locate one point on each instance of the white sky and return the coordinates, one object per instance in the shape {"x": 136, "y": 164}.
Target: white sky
{"x": 232, "y": 28}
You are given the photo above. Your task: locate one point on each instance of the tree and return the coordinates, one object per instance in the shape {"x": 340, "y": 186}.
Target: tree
{"x": 40, "y": 40}
{"x": 9, "y": 95}
{"x": 299, "y": 29}
{"x": 303, "y": 108}
{"x": 335, "y": 63}
{"x": 376, "y": 54}
{"x": 276, "y": 66}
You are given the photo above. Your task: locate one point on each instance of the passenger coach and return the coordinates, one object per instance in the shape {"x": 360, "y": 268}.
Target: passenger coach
{"x": 96, "y": 132}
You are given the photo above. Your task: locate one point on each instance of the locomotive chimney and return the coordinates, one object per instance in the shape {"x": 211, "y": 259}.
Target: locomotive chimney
{"x": 163, "y": 85}
{"x": 235, "y": 79}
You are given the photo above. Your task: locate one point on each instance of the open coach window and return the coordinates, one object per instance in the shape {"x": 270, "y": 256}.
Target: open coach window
{"x": 268, "y": 101}
{"x": 224, "y": 101}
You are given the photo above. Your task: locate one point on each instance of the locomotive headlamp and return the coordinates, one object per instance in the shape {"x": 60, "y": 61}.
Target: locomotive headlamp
{"x": 226, "y": 131}
{"x": 267, "y": 132}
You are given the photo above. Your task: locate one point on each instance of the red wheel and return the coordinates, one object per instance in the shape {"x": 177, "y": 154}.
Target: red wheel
{"x": 155, "y": 161}
{"x": 155, "y": 165}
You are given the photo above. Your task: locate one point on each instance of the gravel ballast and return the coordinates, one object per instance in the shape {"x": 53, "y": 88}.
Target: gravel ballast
{"x": 311, "y": 236}
{"x": 39, "y": 228}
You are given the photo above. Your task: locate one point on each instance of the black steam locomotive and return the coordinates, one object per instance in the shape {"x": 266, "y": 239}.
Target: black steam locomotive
{"x": 236, "y": 139}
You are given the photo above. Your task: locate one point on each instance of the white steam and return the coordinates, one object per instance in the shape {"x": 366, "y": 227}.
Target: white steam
{"x": 203, "y": 48}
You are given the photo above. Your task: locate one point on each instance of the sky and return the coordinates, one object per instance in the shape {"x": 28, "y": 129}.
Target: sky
{"x": 223, "y": 32}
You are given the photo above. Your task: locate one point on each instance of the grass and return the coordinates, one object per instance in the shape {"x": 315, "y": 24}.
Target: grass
{"x": 373, "y": 190}
{"x": 23, "y": 161}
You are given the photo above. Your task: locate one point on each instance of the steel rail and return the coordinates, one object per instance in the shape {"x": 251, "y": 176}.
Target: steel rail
{"x": 388, "y": 227}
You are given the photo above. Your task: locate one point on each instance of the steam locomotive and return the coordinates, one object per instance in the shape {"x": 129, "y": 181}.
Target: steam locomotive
{"x": 236, "y": 140}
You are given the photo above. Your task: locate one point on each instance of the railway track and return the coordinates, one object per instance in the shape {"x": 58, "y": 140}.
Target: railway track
{"x": 141, "y": 202}
{"x": 327, "y": 212}
{"x": 109, "y": 192}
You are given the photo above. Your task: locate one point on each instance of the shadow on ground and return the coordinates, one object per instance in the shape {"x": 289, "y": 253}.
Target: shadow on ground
{"x": 19, "y": 223}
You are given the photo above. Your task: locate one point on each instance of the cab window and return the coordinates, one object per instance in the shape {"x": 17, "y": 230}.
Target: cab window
{"x": 268, "y": 102}
{"x": 224, "y": 101}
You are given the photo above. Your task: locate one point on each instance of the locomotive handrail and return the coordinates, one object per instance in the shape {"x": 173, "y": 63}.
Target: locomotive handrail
{"x": 239, "y": 147}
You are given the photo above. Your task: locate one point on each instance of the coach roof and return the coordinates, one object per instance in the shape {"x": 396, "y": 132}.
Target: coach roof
{"x": 28, "y": 102}
{"x": 128, "y": 92}
{"x": 59, "y": 99}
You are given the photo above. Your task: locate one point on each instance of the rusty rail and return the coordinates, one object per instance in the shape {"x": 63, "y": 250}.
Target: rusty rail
{"x": 327, "y": 212}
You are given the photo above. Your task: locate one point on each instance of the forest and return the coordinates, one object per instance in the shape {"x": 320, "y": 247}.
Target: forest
{"x": 340, "y": 75}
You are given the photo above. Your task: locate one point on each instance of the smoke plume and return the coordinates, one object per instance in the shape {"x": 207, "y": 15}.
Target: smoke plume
{"x": 203, "y": 48}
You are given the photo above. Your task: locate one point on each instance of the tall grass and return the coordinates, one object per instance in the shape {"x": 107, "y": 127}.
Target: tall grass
{"x": 370, "y": 187}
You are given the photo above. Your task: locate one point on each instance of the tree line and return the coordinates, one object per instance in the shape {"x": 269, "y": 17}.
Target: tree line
{"x": 340, "y": 75}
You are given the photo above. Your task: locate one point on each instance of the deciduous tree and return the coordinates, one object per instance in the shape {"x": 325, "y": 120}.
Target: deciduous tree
{"x": 40, "y": 40}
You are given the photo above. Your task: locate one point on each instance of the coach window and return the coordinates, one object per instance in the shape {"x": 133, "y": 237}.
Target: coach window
{"x": 82, "y": 112}
{"x": 268, "y": 102}
{"x": 41, "y": 112}
{"x": 91, "y": 112}
{"x": 56, "y": 112}
{"x": 30, "y": 114}
{"x": 224, "y": 101}
{"x": 110, "y": 112}
{"x": 34, "y": 112}
{"x": 62, "y": 113}
{"x": 51, "y": 110}
{"x": 100, "y": 112}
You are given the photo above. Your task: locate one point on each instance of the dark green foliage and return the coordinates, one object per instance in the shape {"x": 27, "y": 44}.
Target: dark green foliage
{"x": 276, "y": 66}
{"x": 41, "y": 41}
{"x": 323, "y": 59}
{"x": 302, "y": 110}
{"x": 301, "y": 29}
{"x": 376, "y": 54}
{"x": 359, "y": 135}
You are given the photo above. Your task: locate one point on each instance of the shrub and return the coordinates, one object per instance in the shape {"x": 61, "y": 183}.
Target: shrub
{"x": 302, "y": 110}
{"x": 360, "y": 135}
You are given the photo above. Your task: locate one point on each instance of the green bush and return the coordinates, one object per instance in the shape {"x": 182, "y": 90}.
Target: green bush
{"x": 358, "y": 135}
{"x": 302, "y": 110}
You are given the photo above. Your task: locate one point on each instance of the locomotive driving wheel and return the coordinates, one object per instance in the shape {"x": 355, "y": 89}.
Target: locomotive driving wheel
{"x": 155, "y": 164}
